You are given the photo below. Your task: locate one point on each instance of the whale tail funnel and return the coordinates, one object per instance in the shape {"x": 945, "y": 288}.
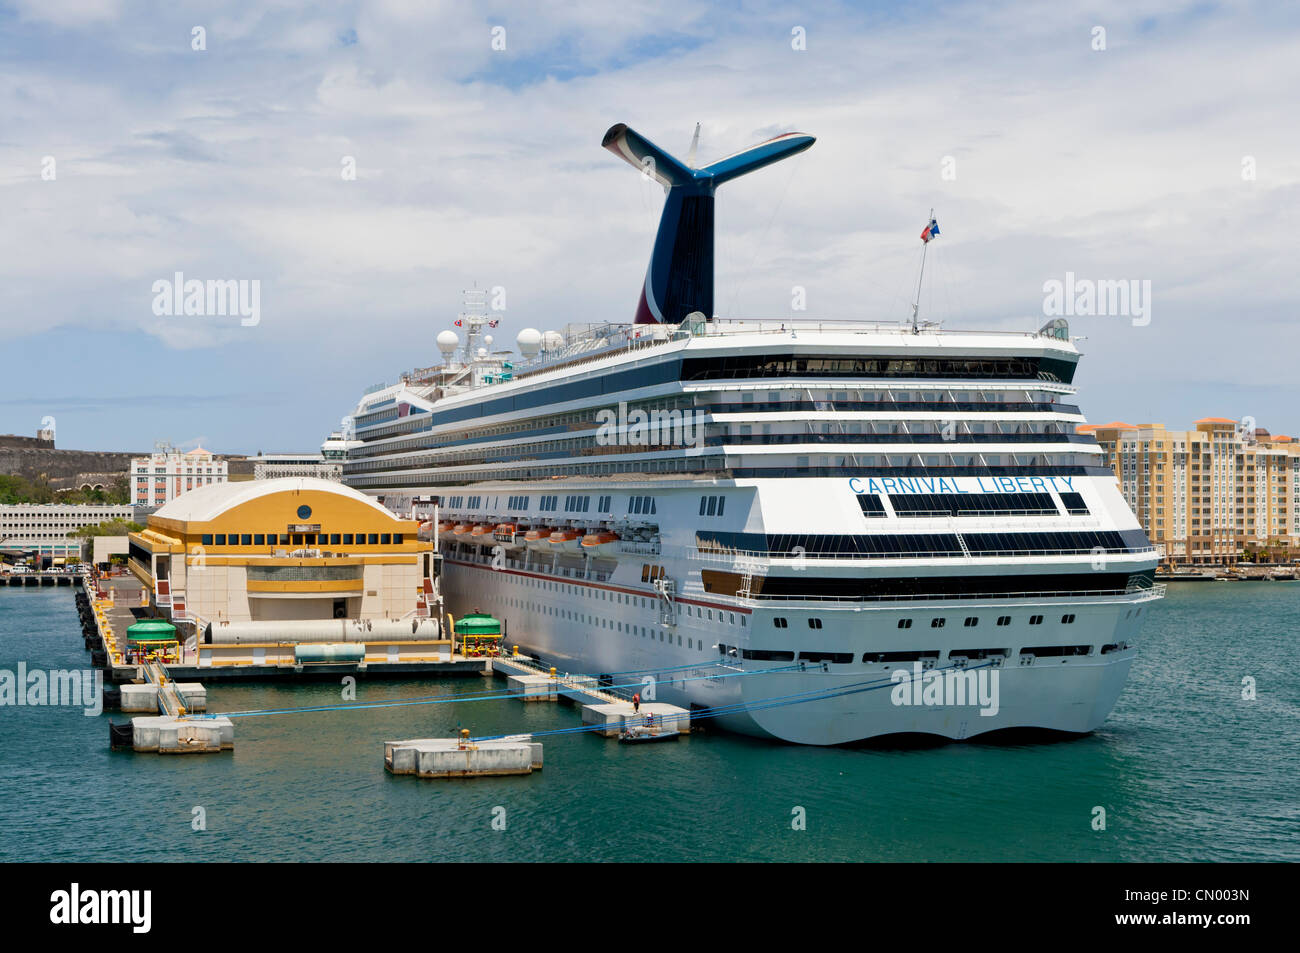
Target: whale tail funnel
{"x": 680, "y": 277}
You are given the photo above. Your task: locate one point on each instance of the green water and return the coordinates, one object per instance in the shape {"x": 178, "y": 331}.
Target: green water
{"x": 1184, "y": 768}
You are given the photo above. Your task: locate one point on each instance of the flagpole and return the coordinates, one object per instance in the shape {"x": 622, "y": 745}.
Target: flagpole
{"x": 925, "y": 248}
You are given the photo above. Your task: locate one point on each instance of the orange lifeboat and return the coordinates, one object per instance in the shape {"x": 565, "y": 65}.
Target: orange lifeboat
{"x": 600, "y": 543}
{"x": 445, "y": 527}
{"x": 538, "y": 537}
{"x": 426, "y": 530}
{"x": 481, "y": 534}
{"x": 461, "y": 531}
{"x": 566, "y": 540}
{"x": 507, "y": 535}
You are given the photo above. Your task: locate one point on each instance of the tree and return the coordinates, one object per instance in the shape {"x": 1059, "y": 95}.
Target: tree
{"x": 113, "y": 527}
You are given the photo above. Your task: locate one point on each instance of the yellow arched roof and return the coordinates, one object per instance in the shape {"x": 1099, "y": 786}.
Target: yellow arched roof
{"x": 209, "y": 502}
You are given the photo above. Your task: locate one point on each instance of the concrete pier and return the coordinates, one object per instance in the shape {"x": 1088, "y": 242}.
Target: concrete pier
{"x": 532, "y": 688}
{"x": 166, "y": 734}
{"x": 619, "y": 716}
{"x": 455, "y": 758}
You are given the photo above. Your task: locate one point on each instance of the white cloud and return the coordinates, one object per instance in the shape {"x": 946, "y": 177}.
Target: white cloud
{"x": 473, "y": 165}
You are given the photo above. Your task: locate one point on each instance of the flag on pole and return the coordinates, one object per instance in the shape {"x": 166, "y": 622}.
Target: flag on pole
{"x": 931, "y": 231}
{"x": 458, "y": 322}
{"x": 493, "y": 324}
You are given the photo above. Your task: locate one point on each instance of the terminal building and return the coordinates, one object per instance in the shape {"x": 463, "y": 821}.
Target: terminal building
{"x": 298, "y": 548}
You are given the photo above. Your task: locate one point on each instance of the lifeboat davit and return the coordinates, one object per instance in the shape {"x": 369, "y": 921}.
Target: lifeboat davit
{"x": 538, "y": 538}
{"x": 566, "y": 540}
{"x": 600, "y": 543}
{"x": 507, "y": 535}
{"x": 481, "y": 535}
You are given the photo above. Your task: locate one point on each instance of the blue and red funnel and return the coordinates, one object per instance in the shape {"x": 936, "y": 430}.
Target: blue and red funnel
{"x": 680, "y": 277}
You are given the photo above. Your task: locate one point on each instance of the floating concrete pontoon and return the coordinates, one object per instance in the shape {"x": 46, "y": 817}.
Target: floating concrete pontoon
{"x": 166, "y": 734}
{"x": 532, "y": 688}
{"x": 145, "y": 697}
{"x": 460, "y": 758}
{"x": 619, "y": 717}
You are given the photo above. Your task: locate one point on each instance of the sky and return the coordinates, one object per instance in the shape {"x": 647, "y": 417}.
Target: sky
{"x": 1152, "y": 141}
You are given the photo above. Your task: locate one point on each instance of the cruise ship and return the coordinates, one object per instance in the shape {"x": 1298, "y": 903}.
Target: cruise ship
{"x": 780, "y": 524}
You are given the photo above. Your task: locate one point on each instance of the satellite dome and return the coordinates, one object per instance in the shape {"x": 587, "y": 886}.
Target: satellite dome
{"x": 482, "y": 352}
{"x": 552, "y": 340}
{"x": 529, "y": 342}
{"x": 448, "y": 341}
{"x": 488, "y": 339}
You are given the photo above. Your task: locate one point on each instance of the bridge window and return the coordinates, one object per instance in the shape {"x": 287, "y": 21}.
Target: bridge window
{"x": 1074, "y": 504}
{"x": 871, "y": 504}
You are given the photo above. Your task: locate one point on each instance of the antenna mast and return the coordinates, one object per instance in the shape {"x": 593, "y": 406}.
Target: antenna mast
{"x": 473, "y": 317}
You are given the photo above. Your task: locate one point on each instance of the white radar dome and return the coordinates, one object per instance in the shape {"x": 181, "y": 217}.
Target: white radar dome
{"x": 488, "y": 339}
{"x": 482, "y": 352}
{"x": 448, "y": 341}
{"x": 529, "y": 342}
{"x": 551, "y": 340}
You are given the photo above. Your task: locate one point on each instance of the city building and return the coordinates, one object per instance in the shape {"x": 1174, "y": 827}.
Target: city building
{"x": 39, "y": 531}
{"x": 274, "y": 466}
{"x": 1217, "y": 495}
{"x": 325, "y": 465}
{"x": 290, "y": 549}
{"x": 166, "y": 474}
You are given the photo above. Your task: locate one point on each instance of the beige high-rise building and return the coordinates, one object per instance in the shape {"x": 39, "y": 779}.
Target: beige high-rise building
{"x": 1212, "y": 496}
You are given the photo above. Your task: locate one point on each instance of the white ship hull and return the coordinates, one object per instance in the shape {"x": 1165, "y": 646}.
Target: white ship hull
{"x": 828, "y": 703}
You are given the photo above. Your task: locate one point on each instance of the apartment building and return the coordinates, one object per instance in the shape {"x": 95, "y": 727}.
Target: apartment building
{"x": 1213, "y": 496}
{"x": 163, "y": 476}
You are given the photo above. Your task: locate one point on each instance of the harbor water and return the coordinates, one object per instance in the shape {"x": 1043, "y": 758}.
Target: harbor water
{"x": 1185, "y": 769}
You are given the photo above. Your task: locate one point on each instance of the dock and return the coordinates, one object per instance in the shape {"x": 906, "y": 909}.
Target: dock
{"x": 616, "y": 715}
{"x": 36, "y": 579}
{"x": 109, "y": 609}
{"x": 462, "y": 758}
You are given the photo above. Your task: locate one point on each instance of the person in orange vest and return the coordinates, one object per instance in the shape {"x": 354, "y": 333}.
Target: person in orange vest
{"x": 636, "y": 702}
